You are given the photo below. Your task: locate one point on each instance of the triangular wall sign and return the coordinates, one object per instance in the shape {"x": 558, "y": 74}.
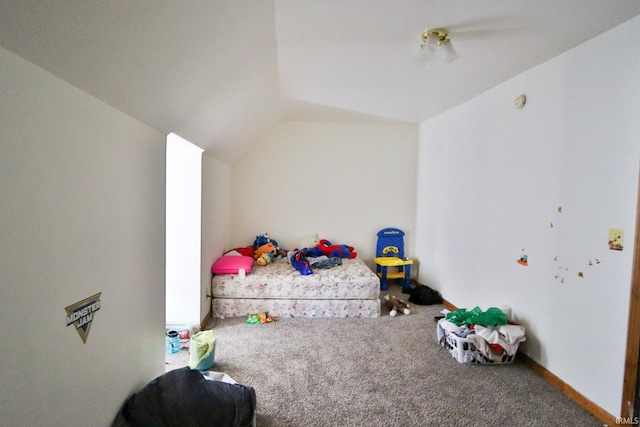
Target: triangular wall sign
{"x": 81, "y": 314}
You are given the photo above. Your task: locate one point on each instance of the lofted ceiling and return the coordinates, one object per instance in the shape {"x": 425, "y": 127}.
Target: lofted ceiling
{"x": 220, "y": 72}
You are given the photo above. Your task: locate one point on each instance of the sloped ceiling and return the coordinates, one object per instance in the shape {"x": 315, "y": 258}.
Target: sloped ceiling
{"x": 220, "y": 72}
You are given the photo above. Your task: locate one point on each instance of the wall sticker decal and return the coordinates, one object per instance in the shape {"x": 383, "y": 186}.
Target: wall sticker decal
{"x": 81, "y": 314}
{"x": 524, "y": 259}
{"x": 616, "y": 239}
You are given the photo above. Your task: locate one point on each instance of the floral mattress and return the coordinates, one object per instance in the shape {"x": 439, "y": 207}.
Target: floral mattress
{"x": 347, "y": 290}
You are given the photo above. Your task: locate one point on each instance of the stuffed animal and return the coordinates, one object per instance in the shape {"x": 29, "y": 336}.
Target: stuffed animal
{"x": 308, "y": 241}
{"x": 396, "y": 305}
{"x": 338, "y": 251}
{"x": 265, "y": 254}
{"x": 264, "y": 239}
{"x": 265, "y": 259}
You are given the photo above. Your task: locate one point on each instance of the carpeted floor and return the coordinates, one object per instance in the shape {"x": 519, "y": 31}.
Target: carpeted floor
{"x": 378, "y": 372}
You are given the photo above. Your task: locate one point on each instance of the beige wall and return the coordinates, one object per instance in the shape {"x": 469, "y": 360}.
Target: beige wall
{"x": 216, "y": 220}
{"x": 344, "y": 181}
{"x": 491, "y": 180}
{"x": 81, "y": 212}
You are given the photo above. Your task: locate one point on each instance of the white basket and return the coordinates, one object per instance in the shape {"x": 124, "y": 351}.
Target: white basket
{"x": 465, "y": 351}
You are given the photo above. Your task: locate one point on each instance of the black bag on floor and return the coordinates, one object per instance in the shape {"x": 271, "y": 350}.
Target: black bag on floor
{"x": 183, "y": 397}
{"x": 424, "y": 295}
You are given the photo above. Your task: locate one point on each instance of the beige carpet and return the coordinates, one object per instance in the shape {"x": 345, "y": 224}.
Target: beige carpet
{"x": 378, "y": 372}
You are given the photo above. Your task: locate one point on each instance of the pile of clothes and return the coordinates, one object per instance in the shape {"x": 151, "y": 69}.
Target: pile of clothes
{"x": 491, "y": 333}
{"x": 323, "y": 255}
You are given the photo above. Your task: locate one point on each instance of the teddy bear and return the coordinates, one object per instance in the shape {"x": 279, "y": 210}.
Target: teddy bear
{"x": 308, "y": 241}
{"x": 396, "y": 305}
{"x": 337, "y": 251}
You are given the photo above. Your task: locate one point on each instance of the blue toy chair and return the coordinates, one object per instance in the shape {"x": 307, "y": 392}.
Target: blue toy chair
{"x": 390, "y": 260}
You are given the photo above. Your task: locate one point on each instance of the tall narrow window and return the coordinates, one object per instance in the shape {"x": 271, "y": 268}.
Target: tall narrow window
{"x": 183, "y": 231}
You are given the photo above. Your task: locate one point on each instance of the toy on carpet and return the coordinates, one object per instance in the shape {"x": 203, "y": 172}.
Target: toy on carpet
{"x": 338, "y": 251}
{"x": 396, "y": 305}
{"x": 259, "y": 318}
{"x": 265, "y": 254}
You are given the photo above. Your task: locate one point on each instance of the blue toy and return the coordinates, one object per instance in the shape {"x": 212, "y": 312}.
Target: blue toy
{"x": 338, "y": 251}
{"x": 263, "y": 240}
{"x": 390, "y": 260}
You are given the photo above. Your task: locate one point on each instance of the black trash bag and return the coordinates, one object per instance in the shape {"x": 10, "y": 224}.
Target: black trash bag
{"x": 424, "y": 295}
{"x": 183, "y": 397}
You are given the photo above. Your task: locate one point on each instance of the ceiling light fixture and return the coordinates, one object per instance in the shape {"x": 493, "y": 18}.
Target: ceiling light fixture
{"x": 436, "y": 47}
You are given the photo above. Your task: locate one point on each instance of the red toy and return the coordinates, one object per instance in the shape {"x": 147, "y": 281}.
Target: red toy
{"x": 336, "y": 251}
{"x": 248, "y": 251}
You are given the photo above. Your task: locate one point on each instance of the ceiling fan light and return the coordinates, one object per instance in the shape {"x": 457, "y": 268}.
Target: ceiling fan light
{"x": 428, "y": 51}
{"x": 447, "y": 53}
{"x": 436, "y": 47}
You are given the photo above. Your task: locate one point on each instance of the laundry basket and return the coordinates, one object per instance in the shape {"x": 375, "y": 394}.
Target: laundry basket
{"x": 464, "y": 350}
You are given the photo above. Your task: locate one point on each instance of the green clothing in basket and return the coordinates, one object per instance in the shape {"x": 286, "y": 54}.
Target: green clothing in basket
{"x": 491, "y": 318}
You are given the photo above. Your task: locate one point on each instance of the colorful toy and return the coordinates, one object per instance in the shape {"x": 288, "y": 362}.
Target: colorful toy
{"x": 265, "y": 254}
{"x": 264, "y": 318}
{"x": 396, "y": 305}
{"x": 338, "y": 251}
{"x": 259, "y": 318}
{"x": 390, "y": 260}
{"x": 264, "y": 239}
{"x": 265, "y": 259}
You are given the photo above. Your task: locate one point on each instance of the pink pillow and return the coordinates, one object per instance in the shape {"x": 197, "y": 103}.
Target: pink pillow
{"x": 232, "y": 264}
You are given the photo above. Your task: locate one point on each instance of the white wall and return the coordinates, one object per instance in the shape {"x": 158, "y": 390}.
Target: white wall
{"x": 183, "y": 236}
{"x": 345, "y": 181}
{"x": 491, "y": 180}
{"x": 81, "y": 212}
{"x": 216, "y": 221}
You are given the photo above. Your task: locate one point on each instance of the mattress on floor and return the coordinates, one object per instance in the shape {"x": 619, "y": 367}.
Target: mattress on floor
{"x": 240, "y": 307}
{"x": 279, "y": 280}
{"x": 348, "y": 290}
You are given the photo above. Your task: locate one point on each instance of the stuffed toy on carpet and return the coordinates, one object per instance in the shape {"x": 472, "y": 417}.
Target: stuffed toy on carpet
{"x": 396, "y": 305}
